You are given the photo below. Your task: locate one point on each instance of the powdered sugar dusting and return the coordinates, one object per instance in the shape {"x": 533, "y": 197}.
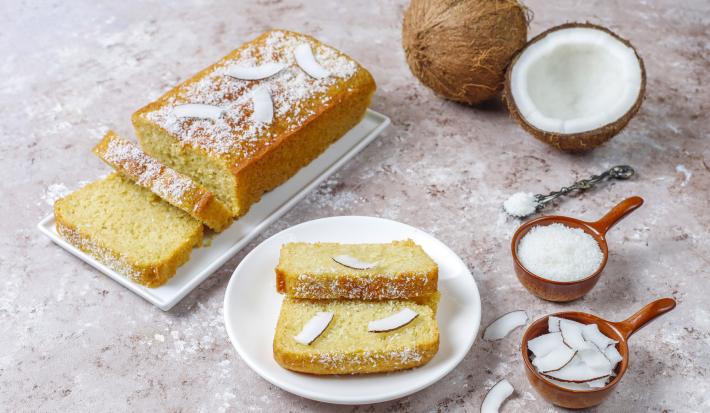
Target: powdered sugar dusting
{"x": 148, "y": 172}
{"x": 197, "y": 110}
{"x": 294, "y": 94}
{"x": 54, "y": 192}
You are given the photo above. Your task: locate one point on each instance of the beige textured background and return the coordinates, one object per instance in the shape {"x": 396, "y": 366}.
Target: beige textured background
{"x": 71, "y": 339}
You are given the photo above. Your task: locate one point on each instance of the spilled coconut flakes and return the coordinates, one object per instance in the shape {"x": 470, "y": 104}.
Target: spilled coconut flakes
{"x": 559, "y": 253}
{"x": 503, "y": 325}
{"x": 496, "y": 396}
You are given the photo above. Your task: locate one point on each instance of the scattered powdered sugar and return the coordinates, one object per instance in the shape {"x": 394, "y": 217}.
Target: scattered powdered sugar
{"x": 520, "y": 204}
{"x": 54, "y": 192}
{"x": 291, "y": 89}
{"x": 198, "y": 110}
{"x": 559, "y": 253}
{"x": 148, "y": 172}
{"x": 686, "y": 174}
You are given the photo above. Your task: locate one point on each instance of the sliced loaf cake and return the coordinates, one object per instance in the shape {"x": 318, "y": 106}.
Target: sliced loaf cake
{"x": 175, "y": 188}
{"x": 128, "y": 228}
{"x": 326, "y": 270}
{"x": 347, "y": 345}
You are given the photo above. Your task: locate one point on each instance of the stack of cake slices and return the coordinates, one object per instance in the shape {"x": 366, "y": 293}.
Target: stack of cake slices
{"x": 356, "y": 308}
{"x": 210, "y": 148}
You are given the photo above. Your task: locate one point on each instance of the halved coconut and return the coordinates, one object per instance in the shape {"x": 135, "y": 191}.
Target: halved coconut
{"x": 575, "y": 86}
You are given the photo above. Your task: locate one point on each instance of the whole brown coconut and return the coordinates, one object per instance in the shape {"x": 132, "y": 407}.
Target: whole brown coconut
{"x": 461, "y": 48}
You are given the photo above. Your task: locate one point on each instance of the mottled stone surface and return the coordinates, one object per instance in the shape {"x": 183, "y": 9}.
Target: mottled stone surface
{"x": 72, "y": 339}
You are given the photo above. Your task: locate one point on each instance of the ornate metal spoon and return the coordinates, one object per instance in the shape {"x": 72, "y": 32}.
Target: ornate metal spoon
{"x": 523, "y": 204}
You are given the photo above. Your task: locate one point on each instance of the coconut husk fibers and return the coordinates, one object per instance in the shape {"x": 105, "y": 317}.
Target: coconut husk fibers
{"x": 461, "y": 48}
{"x": 577, "y": 142}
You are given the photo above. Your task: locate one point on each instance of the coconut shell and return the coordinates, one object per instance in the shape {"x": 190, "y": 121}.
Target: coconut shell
{"x": 461, "y": 48}
{"x": 583, "y": 141}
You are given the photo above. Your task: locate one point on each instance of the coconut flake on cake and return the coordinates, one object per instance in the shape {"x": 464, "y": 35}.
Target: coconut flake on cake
{"x": 235, "y": 132}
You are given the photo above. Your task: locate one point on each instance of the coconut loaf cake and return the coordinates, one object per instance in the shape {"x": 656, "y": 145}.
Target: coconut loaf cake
{"x": 177, "y": 189}
{"x": 398, "y": 270}
{"x": 247, "y": 123}
{"x": 128, "y": 228}
{"x": 346, "y": 345}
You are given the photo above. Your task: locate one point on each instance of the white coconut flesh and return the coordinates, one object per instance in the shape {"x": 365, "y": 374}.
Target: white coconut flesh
{"x": 575, "y": 80}
{"x": 576, "y": 356}
{"x": 503, "y": 325}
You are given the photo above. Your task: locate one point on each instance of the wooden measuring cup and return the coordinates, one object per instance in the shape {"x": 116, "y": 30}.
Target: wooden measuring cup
{"x": 619, "y": 331}
{"x": 562, "y": 291}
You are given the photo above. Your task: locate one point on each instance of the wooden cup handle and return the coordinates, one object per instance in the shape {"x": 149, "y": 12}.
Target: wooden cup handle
{"x": 645, "y": 315}
{"x": 619, "y": 212}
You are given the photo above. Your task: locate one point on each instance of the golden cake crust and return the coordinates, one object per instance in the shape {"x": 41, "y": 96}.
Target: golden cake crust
{"x": 309, "y": 114}
{"x": 357, "y": 362}
{"x": 358, "y": 82}
{"x": 173, "y": 187}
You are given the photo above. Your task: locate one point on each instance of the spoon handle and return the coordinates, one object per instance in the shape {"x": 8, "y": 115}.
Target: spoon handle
{"x": 617, "y": 172}
{"x": 645, "y": 315}
{"x": 619, "y": 212}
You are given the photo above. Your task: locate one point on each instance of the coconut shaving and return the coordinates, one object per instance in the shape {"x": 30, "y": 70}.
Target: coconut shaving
{"x": 584, "y": 363}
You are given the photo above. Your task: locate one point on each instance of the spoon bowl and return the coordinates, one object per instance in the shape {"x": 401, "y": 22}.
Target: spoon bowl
{"x": 562, "y": 291}
{"x": 619, "y": 331}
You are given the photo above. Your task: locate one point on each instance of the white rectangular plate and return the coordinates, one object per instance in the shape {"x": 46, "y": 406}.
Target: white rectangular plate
{"x": 204, "y": 261}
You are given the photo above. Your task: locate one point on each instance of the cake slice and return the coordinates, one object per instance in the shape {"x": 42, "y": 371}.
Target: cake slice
{"x": 128, "y": 228}
{"x": 398, "y": 270}
{"x": 346, "y": 346}
{"x": 178, "y": 190}
{"x": 247, "y": 123}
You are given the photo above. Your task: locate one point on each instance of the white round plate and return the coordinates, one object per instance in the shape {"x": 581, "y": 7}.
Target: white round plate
{"x": 252, "y": 305}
